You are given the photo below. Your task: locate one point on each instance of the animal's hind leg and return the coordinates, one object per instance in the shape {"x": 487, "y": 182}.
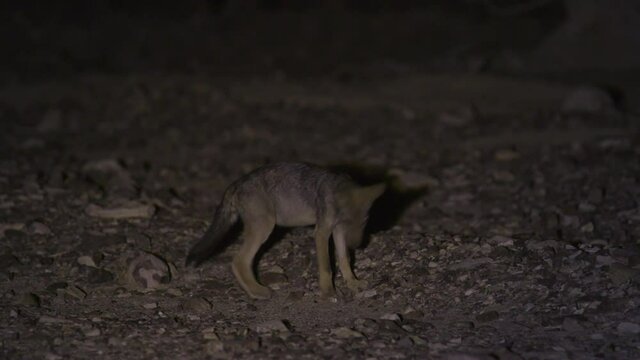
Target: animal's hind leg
{"x": 258, "y": 224}
{"x": 325, "y": 279}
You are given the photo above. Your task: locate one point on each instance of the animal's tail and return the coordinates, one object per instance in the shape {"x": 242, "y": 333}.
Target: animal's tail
{"x": 225, "y": 217}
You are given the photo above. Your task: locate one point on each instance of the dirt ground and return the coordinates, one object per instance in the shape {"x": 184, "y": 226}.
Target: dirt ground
{"x": 510, "y": 229}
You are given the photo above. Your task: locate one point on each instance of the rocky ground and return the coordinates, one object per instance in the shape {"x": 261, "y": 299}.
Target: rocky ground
{"x": 510, "y": 229}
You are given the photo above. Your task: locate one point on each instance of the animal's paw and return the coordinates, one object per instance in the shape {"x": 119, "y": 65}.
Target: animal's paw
{"x": 327, "y": 292}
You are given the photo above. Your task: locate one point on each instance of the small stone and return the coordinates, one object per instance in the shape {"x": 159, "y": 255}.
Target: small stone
{"x": 620, "y": 274}
{"x": 210, "y": 334}
{"x": 115, "y": 341}
{"x": 458, "y": 116}
{"x": 628, "y": 328}
{"x": 45, "y": 319}
{"x": 272, "y": 326}
{"x": 214, "y": 348}
{"x": 588, "y": 100}
{"x": 150, "y": 306}
{"x": 51, "y": 121}
{"x": 128, "y": 211}
{"x": 346, "y": 333}
{"x": 197, "y": 305}
{"x": 540, "y": 245}
{"x": 13, "y": 313}
{"x": 411, "y": 313}
{"x": 587, "y": 228}
{"x": 273, "y": 278}
{"x": 112, "y": 176}
{"x": 367, "y": 294}
{"x": 418, "y": 340}
{"x": 595, "y": 195}
{"x": 506, "y": 155}
{"x": 148, "y": 271}
{"x": 570, "y": 221}
{"x": 604, "y": 260}
{"x": 98, "y": 276}
{"x": 503, "y": 176}
{"x": 295, "y": 295}
{"x": 586, "y": 207}
{"x": 276, "y": 269}
{"x": 405, "y": 342}
{"x": 500, "y": 240}
{"x": 28, "y": 299}
{"x": 86, "y": 260}
{"x": 8, "y": 260}
{"x": 572, "y": 325}
{"x": 391, "y": 316}
{"x": 469, "y": 264}
{"x": 488, "y": 316}
{"x": 72, "y": 292}
{"x": 174, "y": 292}
{"x": 92, "y": 332}
{"x": 38, "y": 228}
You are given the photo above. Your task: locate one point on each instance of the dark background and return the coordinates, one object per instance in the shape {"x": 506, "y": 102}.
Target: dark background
{"x": 317, "y": 37}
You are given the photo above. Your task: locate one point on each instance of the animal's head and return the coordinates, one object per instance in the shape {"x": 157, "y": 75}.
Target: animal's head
{"x": 354, "y": 210}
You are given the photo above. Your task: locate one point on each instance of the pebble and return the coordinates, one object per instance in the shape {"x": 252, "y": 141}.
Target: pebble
{"x": 587, "y": 228}
{"x": 197, "y": 305}
{"x": 174, "y": 292}
{"x": 86, "y": 260}
{"x": 469, "y": 264}
{"x": 620, "y": 274}
{"x": 45, "y": 319}
{"x": 96, "y": 275}
{"x": 391, "y": 316}
{"x": 405, "y": 342}
{"x": 38, "y": 228}
{"x": 488, "y": 316}
{"x": 148, "y": 271}
{"x": 503, "y": 176}
{"x": 369, "y": 293}
{"x": 588, "y": 99}
{"x": 128, "y": 211}
{"x": 628, "y": 328}
{"x": 150, "y": 306}
{"x": 346, "y": 333}
{"x": 72, "y": 292}
{"x": 272, "y": 326}
{"x": 214, "y": 348}
{"x": 28, "y": 299}
{"x": 273, "y": 279}
{"x": 506, "y": 155}
{"x": 458, "y": 116}
{"x": 500, "y": 240}
{"x": 210, "y": 334}
{"x": 91, "y": 332}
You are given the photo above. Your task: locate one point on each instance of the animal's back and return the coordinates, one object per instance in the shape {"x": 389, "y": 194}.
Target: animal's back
{"x": 297, "y": 191}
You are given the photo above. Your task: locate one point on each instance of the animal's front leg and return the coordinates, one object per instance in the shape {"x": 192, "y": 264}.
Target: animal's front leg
{"x": 322, "y": 234}
{"x": 344, "y": 261}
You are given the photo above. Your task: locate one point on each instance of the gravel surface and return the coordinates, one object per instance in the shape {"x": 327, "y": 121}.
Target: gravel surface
{"x": 511, "y": 229}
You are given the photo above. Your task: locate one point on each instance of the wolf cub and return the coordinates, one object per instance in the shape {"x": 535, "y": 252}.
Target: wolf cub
{"x": 291, "y": 194}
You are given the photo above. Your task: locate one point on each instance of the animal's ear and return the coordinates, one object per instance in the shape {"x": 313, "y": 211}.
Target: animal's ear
{"x": 368, "y": 194}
